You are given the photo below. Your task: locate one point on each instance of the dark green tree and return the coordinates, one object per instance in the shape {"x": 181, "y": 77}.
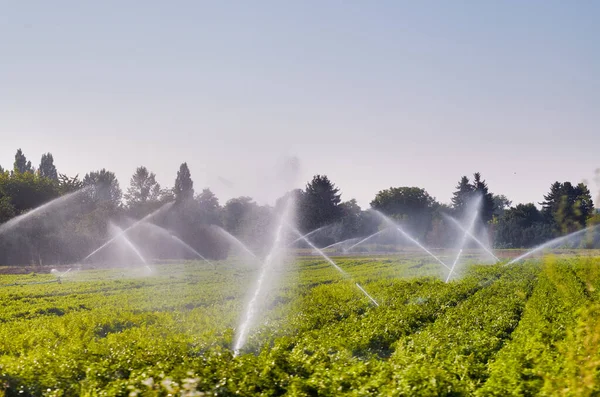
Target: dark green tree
{"x": 7, "y": 209}
{"x": 144, "y": 193}
{"x": 184, "y": 186}
{"x": 21, "y": 164}
{"x": 320, "y": 203}
{"x": 521, "y": 227}
{"x": 26, "y": 190}
{"x": 466, "y": 192}
{"x": 234, "y": 213}
{"x": 412, "y": 206}
{"x": 567, "y": 207}
{"x": 501, "y": 204}
{"x": 47, "y": 168}
{"x": 525, "y": 214}
{"x": 480, "y": 188}
{"x": 68, "y": 184}
{"x": 351, "y": 224}
{"x": 462, "y": 196}
{"x": 592, "y": 238}
{"x": 248, "y": 221}
{"x": 584, "y": 205}
{"x": 208, "y": 205}
{"x": 103, "y": 188}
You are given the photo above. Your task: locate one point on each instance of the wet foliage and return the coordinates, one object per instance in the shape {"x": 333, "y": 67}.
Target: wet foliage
{"x": 517, "y": 330}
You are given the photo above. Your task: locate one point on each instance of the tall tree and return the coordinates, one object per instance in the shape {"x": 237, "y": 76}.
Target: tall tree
{"x": 584, "y": 206}
{"x": 466, "y": 192}
{"x": 208, "y": 205}
{"x": 7, "y": 209}
{"x": 321, "y": 203}
{"x": 234, "y": 212}
{"x": 103, "y": 188}
{"x": 47, "y": 168}
{"x": 552, "y": 200}
{"x": 248, "y": 221}
{"x": 412, "y": 206}
{"x": 501, "y": 204}
{"x": 522, "y": 226}
{"x": 487, "y": 199}
{"x": 68, "y": 184}
{"x": 21, "y": 164}
{"x": 462, "y": 196}
{"x": 351, "y": 224}
{"x": 27, "y": 190}
{"x": 184, "y": 186}
{"x": 567, "y": 207}
{"x": 143, "y": 188}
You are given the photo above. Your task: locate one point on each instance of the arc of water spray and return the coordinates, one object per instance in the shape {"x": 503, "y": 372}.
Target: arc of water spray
{"x": 341, "y": 242}
{"x": 365, "y": 239}
{"x": 122, "y": 236}
{"x": 550, "y": 243}
{"x": 235, "y": 240}
{"x": 253, "y": 303}
{"x": 308, "y": 234}
{"x": 189, "y": 248}
{"x": 39, "y": 210}
{"x": 58, "y": 274}
{"x": 464, "y": 241}
{"x": 179, "y": 241}
{"x": 479, "y": 242}
{"x": 332, "y": 263}
{"x": 409, "y": 237}
{"x": 144, "y": 219}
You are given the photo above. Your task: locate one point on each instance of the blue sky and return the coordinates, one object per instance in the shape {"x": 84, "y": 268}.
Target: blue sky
{"x": 373, "y": 94}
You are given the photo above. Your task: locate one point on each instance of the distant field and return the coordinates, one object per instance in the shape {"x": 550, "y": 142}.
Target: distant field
{"x": 524, "y": 329}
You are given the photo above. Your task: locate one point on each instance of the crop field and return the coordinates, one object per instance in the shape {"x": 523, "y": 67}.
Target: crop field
{"x": 526, "y": 329}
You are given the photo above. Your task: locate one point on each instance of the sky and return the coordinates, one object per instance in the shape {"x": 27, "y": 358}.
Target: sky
{"x": 259, "y": 96}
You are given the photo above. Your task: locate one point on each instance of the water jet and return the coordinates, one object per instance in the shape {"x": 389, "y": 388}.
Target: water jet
{"x": 409, "y": 237}
{"x": 550, "y": 243}
{"x": 332, "y": 263}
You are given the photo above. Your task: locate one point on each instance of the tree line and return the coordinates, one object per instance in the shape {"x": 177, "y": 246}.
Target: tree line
{"x": 68, "y": 232}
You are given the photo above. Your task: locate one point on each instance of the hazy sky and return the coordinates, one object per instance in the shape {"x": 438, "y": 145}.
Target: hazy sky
{"x": 372, "y": 93}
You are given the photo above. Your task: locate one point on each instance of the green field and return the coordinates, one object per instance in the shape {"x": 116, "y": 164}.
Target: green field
{"x": 520, "y": 330}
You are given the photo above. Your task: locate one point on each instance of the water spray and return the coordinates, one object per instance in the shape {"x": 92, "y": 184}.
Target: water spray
{"x": 342, "y": 242}
{"x": 550, "y": 243}
{"x": 40, "y": 210}
{"x": 332, "y": 263}
{"x": 235, "y": 240}
{"x": 364, "y": 240}
{"x": 409, "y": 237}
{"x": 144, "y": 219}
{"x": 251, "y": 308}
{"x": 179, "y": 241}
{"x": 464, "y": 241}
{"x": 479, "y": 242}
{"x": 309, "y": 234}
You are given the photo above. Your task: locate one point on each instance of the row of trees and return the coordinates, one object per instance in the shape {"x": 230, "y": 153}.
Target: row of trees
{"x": 95, "y": 201}
{"x": 565, "y": 209}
